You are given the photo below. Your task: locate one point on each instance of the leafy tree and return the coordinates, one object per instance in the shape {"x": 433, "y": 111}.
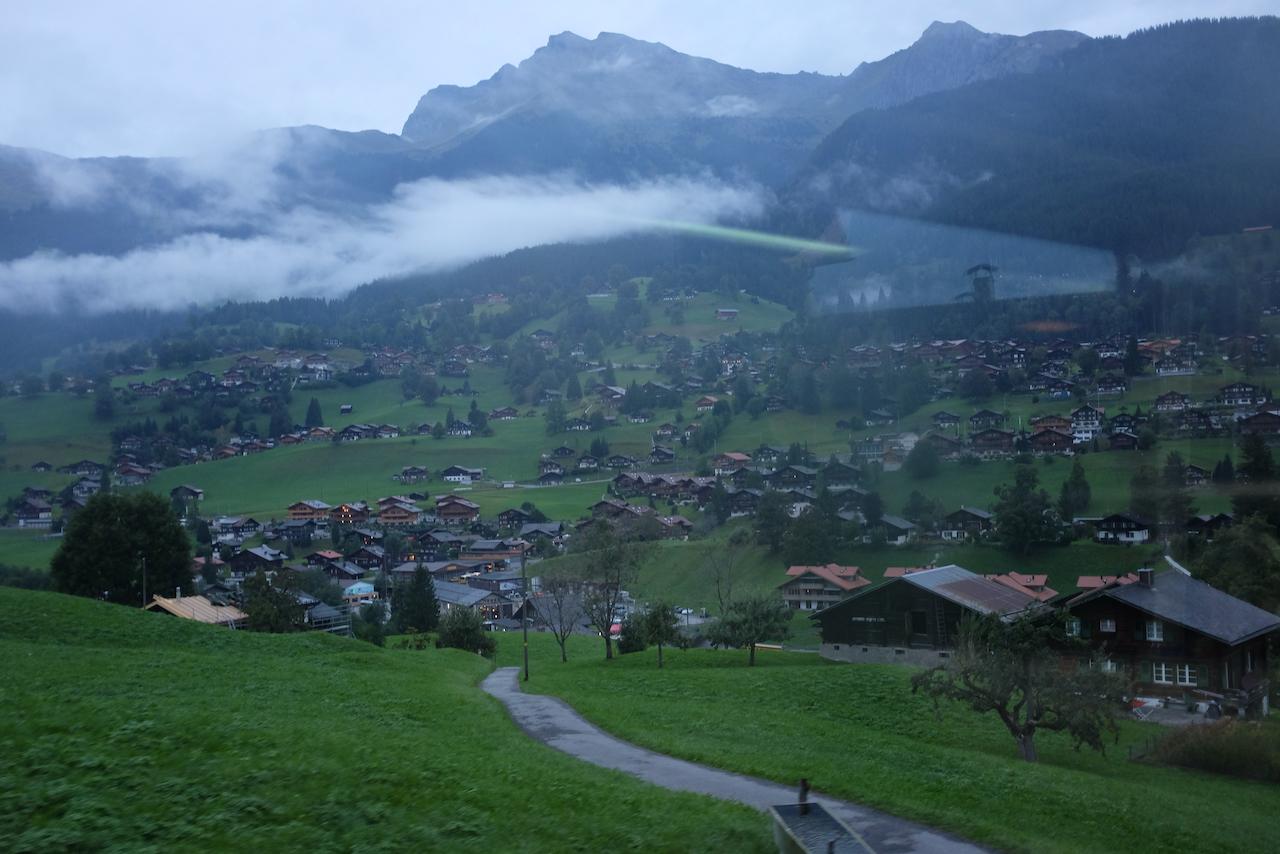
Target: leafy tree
{"x": 631, "y": 636}
{"x": 573, "y": 388}
{"x": 809, "y": 540}
{"x": 921, "y": 510}
{"x": 104, "y": 401}
{"x": 810, "y": 401}
{"x": 414, "y": 606}
{"x": 720, "y": 506}
{"x": 272, "y": 607}
{"x": 429, "y": 390}
{"x": 1144, "y": 493}
{"x": 1015, "y": 670}
{"x": 976, "y": 385}
{"x": 1076, "y": 493}
{"x": 771, "y": 520}
{"x": 113, "y": 540}
{"x": 555, "y": 417}
{"x": 57, "y": 381}
{"x": 368, "y": 624}
{"x": 1022, "y": 511}
{"x": 1087, "y": 359}
{"x": 314, "y": 417}
{"x": 1244, "y": 560}
{"x": 203, "y": 535}
{"x": 1132, "y": 358}
{"x": 1224, "y": 471}
{"x": 1175, "y": 503}
{"x": 599, "y": 447}
{"x": 280, "y": 423}
{"x": 750, "y": 621}
{"x": 922, "y": 461}
{"x": 873, "y": 509}
{"x": 1259, "y": 495}
{"x": 30, "y": 385}
{"x": 462, "y": 628}
{"x": 659, "y": 623}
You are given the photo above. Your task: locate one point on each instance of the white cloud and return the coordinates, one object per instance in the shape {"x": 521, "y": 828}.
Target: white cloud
{"x": 732, "y": 105}
{"x": 429, "y": 224}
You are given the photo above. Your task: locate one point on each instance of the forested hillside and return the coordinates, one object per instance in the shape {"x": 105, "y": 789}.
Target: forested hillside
{"x": 1132, "y": 144}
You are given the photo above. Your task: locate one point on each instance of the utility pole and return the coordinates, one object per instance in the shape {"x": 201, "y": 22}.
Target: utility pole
{"x": 144, "y": 580}
{"x": 524, "y": 609}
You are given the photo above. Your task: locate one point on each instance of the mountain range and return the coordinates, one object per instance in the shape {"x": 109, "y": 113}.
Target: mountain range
{"x": 1129, "y": 145}
{"x": 610, "y": 108}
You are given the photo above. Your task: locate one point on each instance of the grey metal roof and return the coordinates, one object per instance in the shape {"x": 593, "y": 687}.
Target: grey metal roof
{"x": 968, "y": 590}
{"x": 1181, "y": 599}
{"x": 460, "y": 594}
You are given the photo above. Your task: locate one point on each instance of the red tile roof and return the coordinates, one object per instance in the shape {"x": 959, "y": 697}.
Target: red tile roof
{"x": 844, "y": 577}
{"x": 1090, "y": 582}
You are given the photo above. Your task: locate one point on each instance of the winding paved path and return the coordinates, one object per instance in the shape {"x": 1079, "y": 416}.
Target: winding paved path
{"x": 554, "y": 722}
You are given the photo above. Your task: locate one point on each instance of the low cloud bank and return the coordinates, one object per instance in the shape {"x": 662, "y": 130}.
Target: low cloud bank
{"x": 304, "y": 251}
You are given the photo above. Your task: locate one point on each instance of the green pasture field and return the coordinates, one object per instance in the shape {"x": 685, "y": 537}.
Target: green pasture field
{"x": 31, "y": 548}
{"x": 857, "y": 731}
{"x": 132, "y": 730}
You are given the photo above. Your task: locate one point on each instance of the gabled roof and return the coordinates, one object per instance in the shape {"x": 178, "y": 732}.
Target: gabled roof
{"x": 1176, "y": 597}
{"x": 844, "y": 577}
{"x": 964, "y": 588}
{"x": 197, "y": 608}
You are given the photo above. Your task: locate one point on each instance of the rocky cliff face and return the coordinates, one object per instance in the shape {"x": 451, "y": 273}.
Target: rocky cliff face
{"x": 616, "y": 79}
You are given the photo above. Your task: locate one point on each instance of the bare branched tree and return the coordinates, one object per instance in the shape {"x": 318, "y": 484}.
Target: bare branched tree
{"x": 559, "y": 605}
{"x": 607, "y": 564}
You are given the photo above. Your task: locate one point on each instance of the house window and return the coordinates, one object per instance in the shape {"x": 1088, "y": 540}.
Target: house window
{"x": 1073, "y": 627}
{"x": 1107, "y": 625}
{"x": 1187, "y": 675}
{"x": 1161, "y": 673}
{"x": 1108, "y": 666}
{"x": 1155, "y": 630}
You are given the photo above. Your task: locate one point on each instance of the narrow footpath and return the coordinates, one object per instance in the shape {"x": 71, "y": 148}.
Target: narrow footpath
{"x": 553, "y": 722}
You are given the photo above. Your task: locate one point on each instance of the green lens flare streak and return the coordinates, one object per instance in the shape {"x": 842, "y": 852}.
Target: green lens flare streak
{"x": 753, "y": 238}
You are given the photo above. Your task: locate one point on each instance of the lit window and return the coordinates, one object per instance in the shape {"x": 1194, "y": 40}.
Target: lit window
{"x": 1186, "y": 674}
{"x": 1107, "y": 625}
{"x": 1161, "y": 673}
{"x": 1155, "y": 630}
{"x": 1073, "y": 627}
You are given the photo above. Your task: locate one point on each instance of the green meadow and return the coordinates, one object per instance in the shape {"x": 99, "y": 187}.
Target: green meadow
{"x": 857, "y": 731}
{"x": 127, "y": 730}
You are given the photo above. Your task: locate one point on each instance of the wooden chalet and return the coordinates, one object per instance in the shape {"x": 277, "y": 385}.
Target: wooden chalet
{"x": 908, "y": 619}
{"x": 966, "y": 522}
{"x": 311, "y": 509}
{"x": 1122, "y": 528}
{"x": 812, "y": 588}
{"x": 1171, "y": 634}
{"x": 453, "y": 510}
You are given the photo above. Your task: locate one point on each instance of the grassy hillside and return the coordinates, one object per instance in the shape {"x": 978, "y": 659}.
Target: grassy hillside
{"x": 133, "y": 730}
{"x": 857, "y": 731}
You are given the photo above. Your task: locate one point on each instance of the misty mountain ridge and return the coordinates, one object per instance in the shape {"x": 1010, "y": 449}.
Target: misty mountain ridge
{"x": 1128, "y": 144}
{"x": 611, "y": 109}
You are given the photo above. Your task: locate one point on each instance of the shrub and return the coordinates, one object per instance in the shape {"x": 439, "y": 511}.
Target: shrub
{"x": 1240, "y": 749}
{"x": 462, "y": 628}
{"x": 632, "y": 637}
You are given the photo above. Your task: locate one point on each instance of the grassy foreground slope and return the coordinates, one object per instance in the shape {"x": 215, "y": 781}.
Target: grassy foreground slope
{"x": 857, "y": 731}
{"x": 129, "y": 730}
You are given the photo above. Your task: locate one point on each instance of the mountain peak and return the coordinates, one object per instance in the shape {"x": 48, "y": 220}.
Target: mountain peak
{"x": 953, "y": 30}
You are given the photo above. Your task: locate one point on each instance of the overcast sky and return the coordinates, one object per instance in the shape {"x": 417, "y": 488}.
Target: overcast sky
{"x": 85, "y": 77}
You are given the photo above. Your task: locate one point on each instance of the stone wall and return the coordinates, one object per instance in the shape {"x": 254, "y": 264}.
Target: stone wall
{"x": 858, "y": 654}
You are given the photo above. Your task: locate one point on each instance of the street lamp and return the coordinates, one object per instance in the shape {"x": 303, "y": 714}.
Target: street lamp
{"x": 524, "y": 608}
